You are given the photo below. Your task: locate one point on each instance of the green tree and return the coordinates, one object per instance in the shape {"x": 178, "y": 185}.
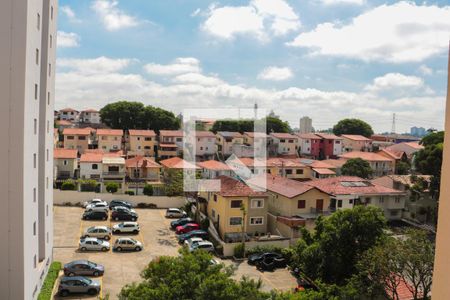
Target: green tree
{"x": 157, "y": 119}
{"x": 174, "y": 183}
{"x": 148, "y": 190}
{"x": 428, "y": 161}
{"x": 333, "y": 250}
{"x": 191, "y": 276}
{"x": 112, "y": 187}
{"x": 274, "y": 124}
{"x": 69, "y": 185}
{"x": 353, "y": 126}
{"x": 123, "y": 115}
{"x": 357, "y": 167}
{"x": 402, "y": 168}
{"x": 433, "y": 138}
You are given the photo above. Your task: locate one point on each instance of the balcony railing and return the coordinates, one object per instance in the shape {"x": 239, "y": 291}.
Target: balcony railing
{"x": 114, "y": 174}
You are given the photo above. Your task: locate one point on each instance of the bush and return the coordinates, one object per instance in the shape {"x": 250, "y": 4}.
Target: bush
{"x": 88, "y": 185}
{"x": 112, "y": 187}
{"x": 262, "y": 249}
{"x": 131, "y": 193}
{"x": 239, "y": 250}
{"x": 68, "y": 185}
{"x": 204, "y": 224}
{"x": 47, "y": 287}
{"x": 148, "y": 190}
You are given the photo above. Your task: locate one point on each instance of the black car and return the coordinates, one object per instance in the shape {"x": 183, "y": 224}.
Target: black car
{"x": 124, "y": 203}
{"x": 95, "y": 215}
{"x": 270, "y": 263}
{"x": 194, "y": 233}
{"x": 180, "y": 222}
{"x": 256, "y": 258}
{"x": 124, "y": 215}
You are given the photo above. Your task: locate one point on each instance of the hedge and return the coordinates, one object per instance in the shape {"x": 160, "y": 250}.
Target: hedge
{"x": 47, "y": 287}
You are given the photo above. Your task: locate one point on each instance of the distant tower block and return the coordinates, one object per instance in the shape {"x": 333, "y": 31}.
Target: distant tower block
{"x": 306, "y": 125}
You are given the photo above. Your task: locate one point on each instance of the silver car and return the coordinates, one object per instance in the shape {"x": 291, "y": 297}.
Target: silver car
{"x": 94, "y": 244}
{"x": 100, "y": 206}
{"x": 126, "y": 227}
{"x": 123, "y": 244}
{"x": 101, "y": 232}
{"x": 175, "y": 213}
{"x": 205, "y": 245}
{"x": 93, "y": 201}
{"x": 78, "y": 285}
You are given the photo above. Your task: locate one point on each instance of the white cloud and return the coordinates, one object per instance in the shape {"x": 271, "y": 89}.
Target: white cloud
{"x": 70, "y": 14}
{"x": 391, "y": 81}
{"x": 197, "y": 79}
{"x": 276, "y": 74}
{"x": 112, "y": 17}
{"x": 180, "y": 65}
{"x": 336, "y": 2}
{"x": 260, "y": 18}
{"x": 67, "y": 39}
{"x": 398, "y": 33}
{"x": 100, "y": 65}
{"x": 425, "y": 70}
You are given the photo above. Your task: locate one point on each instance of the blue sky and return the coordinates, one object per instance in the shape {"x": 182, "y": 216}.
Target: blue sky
{"x": 327, "y": 59}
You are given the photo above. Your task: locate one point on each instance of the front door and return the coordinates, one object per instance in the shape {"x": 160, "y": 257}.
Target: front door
{"x": 319, "y": 205}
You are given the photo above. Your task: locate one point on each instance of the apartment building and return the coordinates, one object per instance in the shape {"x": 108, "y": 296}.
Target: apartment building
{"x": 27, "y": 64}
{"x": 90, "y": 116}
{"x": 113, "y": 170}
{"x": 109, "y": 140}
{"x": 65, "y": 163}
{"x": 354, "y": 142}
{"x": 205, "y": 145}
{"x": 178, "y": 164}
{"x": 225, "y": 141}
{"x": 141, "y": 142}
{"x": 286, "y": 143}
{"x": 290, "y": 168}
{"x": 409, "y": 148}
{"x": 69, "y": 114}
{"x": 142, "y": 168}
{"x": 91, "y": 166}
{"x": 381, "y": 165}
{"x": 77, "y": 138}
{"x": 212, "y": 168}
{"x": 170, "y": 143}
{"x": 331, "y": 145}
{"x": 309, "y": 145}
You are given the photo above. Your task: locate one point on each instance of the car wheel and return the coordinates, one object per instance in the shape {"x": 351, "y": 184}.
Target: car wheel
{"x": 116, "y": 218}
{"x": 96, "y": 273}
{"x": 118, "y": 249}
{"x": 133, "y": 219}
{"x": 64, "y": 293}
{"x": 71, "y": 274}
{"x": 106, "y": 237}
{"x": 137, "y": 248}
{"x": 83, "y": 249}
{"x": 135, "y": 231}
{"x": 92, "y": 291}
{"x": 104, "y": 249}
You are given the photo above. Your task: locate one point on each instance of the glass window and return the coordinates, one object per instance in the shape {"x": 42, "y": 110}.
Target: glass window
{"x": 235, "y": 220}
{"x": 70, "y": 137}
{"x": 257, "y": 203}
{"x": 301, "y": 204}
{"x": 299, "y": 171}
{"x": 256, "y": 220}
{"x": 82, "y": 138}
{"x": 339, "y": 203}
{"x": 236, "y": 203}
{"x": 94, "y": 166}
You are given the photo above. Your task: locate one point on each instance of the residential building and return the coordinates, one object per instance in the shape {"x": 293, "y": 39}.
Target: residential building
{"x": 142, "y": 168}
{"x": 205, "y": 145}
{"x": 177, "y": 164}
{"x": 65, "y": 163}
{"x": 409, "y": 148}
{"x": 309, "y": 145}
{"x": 56, "y": 143}
{"x": 354, "y": 142}
{"x": 395, "y": 138}
{"x": 396, "y": 156}
{"x": 109, "y": 140}
{"x": 170, "y": 143}
{"x": 91, "y": 166}
{"x": 224, "y": 209}
{"x": 246, "y": 167}
{"x": 290, "y": 168}
{"x": 69, "y": 114}
{"x": 113, "y": 170}
{"x": 141, "y": 143}
{"x": 305, "y": 125}
{"x": 330, "y": 145}
{"x": 225, "y": 140}
{"x": 349, "y": 191}
{"x": 27, "y": 64}
{"x": 212, "y": 168}
{"x": 77, "y": 138}
{"x": 286, "y": 143}
{"x": 381, "y": 165}
{"x": 418, "y": 131}
{"x": 254, "y": 142}
{"x": 335, "y": 165}
{"x": 317, "y": 169}
{"x": 91, "y": 116}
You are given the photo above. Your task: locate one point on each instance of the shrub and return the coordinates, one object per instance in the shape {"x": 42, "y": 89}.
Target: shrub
{"x": 112, "y": 187}
{"x": 47, "y": 287}
{"x": 262, "y": 249}
{"x": 146, "y": 205}
{"x": 131, "y": 193}
{"x": 88, "y": 185}
{"x": 148, "y": 190}
{"x": 204, "y": 224}
{"x": 239, "y": 250}
{"x": 68, "y": 185}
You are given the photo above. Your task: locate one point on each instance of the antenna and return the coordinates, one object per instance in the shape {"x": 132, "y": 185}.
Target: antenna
{"x": 393, "y": 124}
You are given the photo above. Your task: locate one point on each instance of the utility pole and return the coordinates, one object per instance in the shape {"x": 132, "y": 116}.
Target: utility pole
{"x": 393, "y": 124}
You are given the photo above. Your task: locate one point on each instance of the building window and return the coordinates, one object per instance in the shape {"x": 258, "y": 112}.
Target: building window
{"x": 48, "y": 98}
{"x": 65, "y": 162}
{"x": 337, "y": 142}
{"x": 148, "y": 139}
{"x": 393, "y": 213}
{"x": 47, "y": 237}
{"x": 257, "y": 203}
{"x": 397, "y": 199}
{"x": 51, "y": 41}
{"x": 34, "y": 228}
{"x": 36, "y": 91}
{"x": 34, "y": 160}
{"x": 368, "y": 200}
{"x": 236, "y": 203}
{"x": 48, "y": 155}
{"x": 46, "y": 182}
{"x": 256, "y": 221}
{"x": 94, "y": 166}
{"x": 339, "y": 203}
{"x": 235, "y": 220}
{"x": 49, "y": 70}
{"x": 46, "y": 210}
{"x": 34, "y": 195}
{"x": 35, "y": 126}
{"x": 81, "y": 138}
{"x": 37, "y": 56}
{"x": 51, "y": 13}
{"x": 48, "y": 126}
{"x": 381, "y": 199}
{"x": 299, "y": 171}
{"x": 215, "y": 198}
{"x": 70, "y": 137}
{"x": 301, "y": 204}
{"x": 104, "y": 138}
{"x": 213, "y": 213}
{"x": 38, "y": 21}
{"x": 288, "y": 171}
{"x": 35, "y": 262}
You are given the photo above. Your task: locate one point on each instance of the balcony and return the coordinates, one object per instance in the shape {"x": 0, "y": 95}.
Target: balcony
{"x": 114, "y": 174}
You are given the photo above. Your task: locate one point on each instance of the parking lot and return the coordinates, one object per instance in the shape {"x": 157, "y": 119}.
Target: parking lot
{"x": 124, "y": 267}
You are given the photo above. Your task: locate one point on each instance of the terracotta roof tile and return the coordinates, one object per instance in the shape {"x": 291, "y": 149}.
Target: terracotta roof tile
{"x": 136, "y": 132}
{"x": 177, "y": 163}
{"x": 232, "y": 134}
{"x": 116, "y": 132}
{"x": 63, "y": 123}
{"x": 91, "y": 157}
{"x": 329, "y": 136}
{"x": 68, "y": 109}
{"x": 230, "y": 187}
{"x": 369, "y": 156}
{"x": 207, "y": 134}
{"x": 175, "y": 133}
{"x": 141, "y": 162}
{"x": 65, "y": 153}
{"x": 282, "y": 135}
{"x": 324, "y": 171}
{"x": 355, "y": 137}
{"x": 280, "y": 185}
{"x": 213, "y": 165}
{"x": 308, "y": 136}
{"x": 76, "y": 131}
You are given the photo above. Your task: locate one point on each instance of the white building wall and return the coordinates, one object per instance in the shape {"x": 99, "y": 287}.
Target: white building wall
{"x": 337, "y": 147}
{"x": 205, "y": 146}
{"x": 86, "y": 170}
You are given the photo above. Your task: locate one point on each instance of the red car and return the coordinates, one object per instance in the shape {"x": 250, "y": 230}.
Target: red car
{"x": 187, "y": 228}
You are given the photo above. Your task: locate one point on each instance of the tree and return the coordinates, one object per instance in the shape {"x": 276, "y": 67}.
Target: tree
{"x": 174, "y": 183}
{"x": 402, "y": 168}
{"x": 112, "y": 187}
{"x": 148, "y": 190}
{"x": 428, "y": 161}
{"x": 353, "y": 126}
{"x": 273, "y": 124}
{"x": 433, "y": 138}
{"x": 191, "y": 276}
{"x": 331, "y": 253}
{"x": 68, "y": 185}
{"x": 157, "y": 119}
{"x": 357, "y": 167}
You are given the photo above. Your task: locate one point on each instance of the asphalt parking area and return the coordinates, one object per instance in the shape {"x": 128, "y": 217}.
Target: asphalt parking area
{"x": 120, "y": 268}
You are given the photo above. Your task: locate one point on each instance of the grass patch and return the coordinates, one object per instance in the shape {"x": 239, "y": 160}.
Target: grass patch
{"x": 47, "y": 287}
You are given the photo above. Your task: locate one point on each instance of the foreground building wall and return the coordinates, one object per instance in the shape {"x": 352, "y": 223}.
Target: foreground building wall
{"x": 27, "y": 64}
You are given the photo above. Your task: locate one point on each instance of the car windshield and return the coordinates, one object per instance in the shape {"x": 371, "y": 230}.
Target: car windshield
{"x": 92, "y": 264}
{"x": 86, "y": 280}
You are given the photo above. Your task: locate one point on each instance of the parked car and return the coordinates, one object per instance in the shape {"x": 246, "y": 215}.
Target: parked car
{"x": 175, "y": 213}
{"x": 98, "y": 207}
{"x": 204, "y": 245}
{"x": 78, "y": 285}
{"x": 122, "y": 208}
{"x": 127, "y": 244}
{"x": 180, "y": 222}
{"x": 85, "y": 204}
{"x": 255, "y": 258}
{"x": 187, "y": 228}
{"x": 101, "y": 232}
{"x": 94, "y": 244}
{"x": 192, "y": 241}
{"x": 83, "y": 267}
{"x": 195, "y": 233}
{"x": 124, "y": 215}
{"x": 126, "y": 227}
{"x": 117, "y": 202}
{"x": 271, "y": 263}
{"x": 95, "y": 215}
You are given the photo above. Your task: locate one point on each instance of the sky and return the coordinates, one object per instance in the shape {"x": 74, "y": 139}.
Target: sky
{"x": 326, "y": 59}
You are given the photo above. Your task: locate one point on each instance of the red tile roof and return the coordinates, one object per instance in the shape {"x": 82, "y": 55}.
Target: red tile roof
{"x": 280, "y": 185}
{"x": 141, "y": 162}
{"x": 248, "y": 162}
{"x": 284, "y": 162}
{"x": 281, "y": 135}
{"x": 175, "y": 133}
{"x": 355, "y": 137}
{"x": 257, "y": 134}
{"x": 63, "y": 123}
{"x": 76, "y": 131}
{"x": 324, "y": 171}
{"x": 230, "y": 187}
{"x": 91, "y": 157}
{"x": 415, "y": 145}
{"x": 336, "y": 163}
{"x": 329, "y": 136}
{"x": 177, "y": 163}
{"x": 116, "y": 132}
{"x": 136, "y": 132}
{"x": 213, "y": 165}
{"x": 308, "y": 136}
{"x": 348, "y": 185}
{"x": 391, "y": 153}
{"x": 65, "y": 153}
{"x": 369, "y": 156}
{"x": 233, "y": 134}
{"x": 206, "y": 134}
{"x": 90, "y": 110}
{"x": 316, "y": 163}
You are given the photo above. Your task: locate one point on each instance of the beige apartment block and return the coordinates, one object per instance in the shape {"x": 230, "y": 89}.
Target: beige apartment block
{"x": 109, "y": 140}
{"x": 141, "y": 142}
{"x": 77, "y": 138}
{"x": 65, "y": 163}
{"x": 287, "y": 144}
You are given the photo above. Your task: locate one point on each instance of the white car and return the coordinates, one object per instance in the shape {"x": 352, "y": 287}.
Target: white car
{"x": 93, "y": 244}
{"x": 192, "y": 241}
{"x": 101, "y": 232}
{"x": 126, "y": 227}
{"x": 85, "y": 204}
{"x": 98, "y": 207}
{"x": 205, "y": 245}
{"x": 175, "y": 213}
